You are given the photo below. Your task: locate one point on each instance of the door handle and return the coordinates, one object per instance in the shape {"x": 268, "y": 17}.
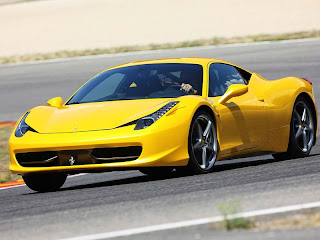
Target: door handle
{"x": 261, "y": 99}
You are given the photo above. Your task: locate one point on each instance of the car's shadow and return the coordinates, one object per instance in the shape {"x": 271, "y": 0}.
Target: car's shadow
{"x": 145, "y": 178}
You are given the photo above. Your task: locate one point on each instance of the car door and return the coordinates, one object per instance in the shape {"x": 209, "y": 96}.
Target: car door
{"x": 243, "y": 120}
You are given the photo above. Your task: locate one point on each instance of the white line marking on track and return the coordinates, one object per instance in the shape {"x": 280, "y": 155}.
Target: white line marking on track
{"x": 56, "y": 60}
{"x": 77, "y": 175}
{"x": 200, "y": 221}
{"x": 21, "y": 185}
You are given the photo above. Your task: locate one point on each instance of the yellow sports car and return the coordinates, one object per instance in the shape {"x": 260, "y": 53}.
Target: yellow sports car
{"x": 160, "y": 115}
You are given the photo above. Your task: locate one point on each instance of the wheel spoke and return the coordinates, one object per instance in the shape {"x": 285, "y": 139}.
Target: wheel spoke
{"x": 309, "y": 123}
{"x": 204, "y": 157}
{"x": 303, "y": 118}
{"x": 298, "y": 133}
{"x": 309, "y": 128}
{"x": 197, "y": 145}
{"x": 304, "y": 139}
{"x": 207, "y": 130}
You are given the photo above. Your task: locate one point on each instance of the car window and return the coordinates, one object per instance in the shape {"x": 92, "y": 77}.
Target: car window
{"x": 104, "y": 88}
{"x": 140, "y": 82}
{"x": 245, "y": 74}
{"x": 221, "y": 76}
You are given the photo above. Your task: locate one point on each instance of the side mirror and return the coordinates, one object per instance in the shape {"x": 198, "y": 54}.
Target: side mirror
{"x": 55, "y": 102}
{"x": 234, "y": 90}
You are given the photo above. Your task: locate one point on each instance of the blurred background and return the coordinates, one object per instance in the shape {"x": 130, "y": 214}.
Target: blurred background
{"x": 29, "y": 27}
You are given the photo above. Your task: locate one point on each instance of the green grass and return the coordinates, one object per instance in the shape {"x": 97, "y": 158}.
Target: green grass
{"x": 231, "y": 207}
{"x": 199, "y": 42}
{"x": 5, "y": 174}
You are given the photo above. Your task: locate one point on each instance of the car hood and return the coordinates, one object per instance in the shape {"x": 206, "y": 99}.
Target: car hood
{"x": 91, "y": 116}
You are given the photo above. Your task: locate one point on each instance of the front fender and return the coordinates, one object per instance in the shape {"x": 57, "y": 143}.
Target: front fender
{"x": 193, "y": 103}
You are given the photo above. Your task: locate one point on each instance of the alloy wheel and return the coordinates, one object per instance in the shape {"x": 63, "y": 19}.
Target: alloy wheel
{"x": 204, "y": 142}
{"x": 303, "y": 126}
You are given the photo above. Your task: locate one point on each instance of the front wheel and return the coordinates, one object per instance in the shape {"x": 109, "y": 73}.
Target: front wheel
{"x": 45, "y": 182}
{"x": 302, "y": 131}
{"x": 202, "y": 144}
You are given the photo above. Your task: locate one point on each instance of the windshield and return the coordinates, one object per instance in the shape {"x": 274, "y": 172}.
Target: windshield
{"x": 141, "y": 82}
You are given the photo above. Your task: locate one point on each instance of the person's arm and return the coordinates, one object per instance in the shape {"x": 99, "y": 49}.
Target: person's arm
{"x": 187, "y": 88}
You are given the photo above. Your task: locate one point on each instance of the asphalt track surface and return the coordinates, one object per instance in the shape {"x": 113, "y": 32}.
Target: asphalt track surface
{"x": 96, "y": 203}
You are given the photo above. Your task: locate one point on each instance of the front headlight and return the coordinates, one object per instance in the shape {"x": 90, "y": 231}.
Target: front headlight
{"x": 22, "y": 127}
{"x": 151, "y": 118}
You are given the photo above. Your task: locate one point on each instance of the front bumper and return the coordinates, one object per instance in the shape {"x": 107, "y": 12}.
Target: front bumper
{"x": 161, "y": 146}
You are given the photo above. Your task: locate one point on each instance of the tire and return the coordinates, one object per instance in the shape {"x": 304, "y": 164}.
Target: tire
{"x": 157, "y": 171}
{"x": 48, "y": 182}
{"x": 202, "y": 144}
{"x": 302, "y": 131}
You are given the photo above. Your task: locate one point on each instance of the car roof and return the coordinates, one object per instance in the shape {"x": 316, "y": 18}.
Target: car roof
{"x": 194, "y": 60}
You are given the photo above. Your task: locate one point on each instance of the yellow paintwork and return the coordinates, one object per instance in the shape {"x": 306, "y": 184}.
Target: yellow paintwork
{"x": 234, "y": 90}
{"x": 55, "y": 102}
{"x": 256, "y": 118}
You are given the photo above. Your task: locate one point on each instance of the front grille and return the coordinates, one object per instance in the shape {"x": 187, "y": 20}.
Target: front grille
{"x": 78, "y": 157}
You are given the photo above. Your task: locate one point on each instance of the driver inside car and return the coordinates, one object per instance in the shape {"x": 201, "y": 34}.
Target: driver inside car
{"x": 190, "y": 82}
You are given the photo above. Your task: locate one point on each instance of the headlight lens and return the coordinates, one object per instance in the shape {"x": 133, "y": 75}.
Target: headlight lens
{"x": 150, "y": 119}
{"x": 22, "y": 126}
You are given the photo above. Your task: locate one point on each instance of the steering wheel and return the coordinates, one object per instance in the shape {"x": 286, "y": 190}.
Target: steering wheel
{"x": 174, "y": 87}
{"x": 178, "y": 87}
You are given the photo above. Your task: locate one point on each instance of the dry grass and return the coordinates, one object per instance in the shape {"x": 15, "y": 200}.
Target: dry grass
{"x": 303, "y": 220}
{"x": 200, "y": 42}
{"x": 15, "y": 2}
{"x": 232, "y": 207}
{"x": 5, "y": 175}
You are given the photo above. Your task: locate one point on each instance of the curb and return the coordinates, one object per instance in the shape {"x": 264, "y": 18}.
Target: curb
{"x": 11, "y": 184}
{"x": 20, "y": 182}
{"x": 7, "y": 124}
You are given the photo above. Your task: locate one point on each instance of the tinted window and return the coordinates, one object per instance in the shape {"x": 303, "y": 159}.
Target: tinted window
{"x": 104, "y": 88}
{"x": 245, "y": 75}
{"x": 140, "y": 82}
{"x": 221, "y": 76}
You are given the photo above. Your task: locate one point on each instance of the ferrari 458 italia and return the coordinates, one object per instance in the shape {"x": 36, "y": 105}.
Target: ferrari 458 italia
{"x": 161, "y": 116}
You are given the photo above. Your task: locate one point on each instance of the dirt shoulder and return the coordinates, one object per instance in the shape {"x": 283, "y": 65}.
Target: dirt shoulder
{"x": 5, "y": 175}
{"x": 200, "y": 42}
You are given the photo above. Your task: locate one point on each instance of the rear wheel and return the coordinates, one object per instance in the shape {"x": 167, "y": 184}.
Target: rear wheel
{"x": 48, "y": 182}
{"x": 302, "y": 131}
{"x": 202, "y": 144}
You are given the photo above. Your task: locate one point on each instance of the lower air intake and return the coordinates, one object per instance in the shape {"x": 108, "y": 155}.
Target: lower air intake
{"x": 38, "y": 159}
{"x": 118, "y": 154}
